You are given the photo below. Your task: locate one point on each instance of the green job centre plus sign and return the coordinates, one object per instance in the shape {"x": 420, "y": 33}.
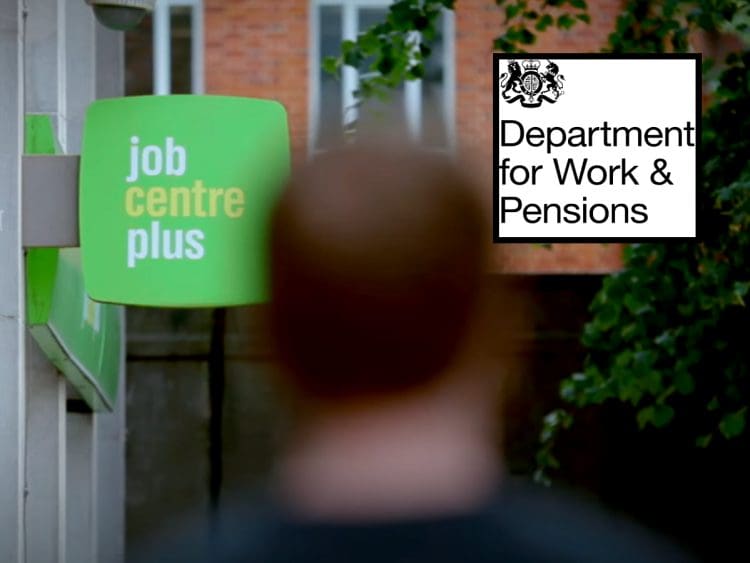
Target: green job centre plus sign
{"x": 176, "y": 193}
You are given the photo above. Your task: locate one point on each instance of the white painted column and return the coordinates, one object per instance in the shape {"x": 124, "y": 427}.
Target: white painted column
{"x": 80, "y": 542}
{"x": 79, "y": 56}
{"x": 349, "y": 75}
{"x": 109, "y": 428}
{"x": 12, "y": 313}
{"x": 413, "y": 101}
{"x": 46, "y": 393}
{"x": 162, "y": 49}
{"x": 78, "y": 53}
{"x": 45, "y": 460}
{"x": 197, "y": 48}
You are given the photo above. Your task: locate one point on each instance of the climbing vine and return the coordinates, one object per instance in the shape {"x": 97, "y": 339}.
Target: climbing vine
{"x": 665, "y": 335}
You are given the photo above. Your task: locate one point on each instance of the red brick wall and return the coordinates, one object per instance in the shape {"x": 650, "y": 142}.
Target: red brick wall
{"x": 259, "y": 48}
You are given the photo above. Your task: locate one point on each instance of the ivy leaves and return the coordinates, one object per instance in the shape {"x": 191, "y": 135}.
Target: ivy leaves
{"x": 654, "y": 27}
{"x": 392, "y": 51}
{"x": 667, "y": 334}
{"x": 523, "y": 20}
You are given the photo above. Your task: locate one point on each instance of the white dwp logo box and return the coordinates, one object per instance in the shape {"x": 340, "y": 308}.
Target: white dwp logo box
{"x": 595, "y": 147}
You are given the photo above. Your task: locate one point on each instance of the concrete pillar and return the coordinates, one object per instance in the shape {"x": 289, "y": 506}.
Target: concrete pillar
{"x": 110, "y": 428}
{"x": 12, "y": 313}
{"x": 45, "y": 460}
{"x": 109, "y": 466}
{"x": 80, "y": 542}
{"x": 46, "y": 389}
{"x": 62, "y": 481}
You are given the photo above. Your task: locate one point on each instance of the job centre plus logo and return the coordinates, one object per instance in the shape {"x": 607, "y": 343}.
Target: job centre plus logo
{"x": 530, "y": 85}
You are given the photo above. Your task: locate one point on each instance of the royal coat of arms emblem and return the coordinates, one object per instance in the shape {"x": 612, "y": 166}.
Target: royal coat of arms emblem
{"x": 531, "y": 86}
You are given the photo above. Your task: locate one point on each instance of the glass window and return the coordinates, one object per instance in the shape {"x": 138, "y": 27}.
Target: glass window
{"x": 380, "y": 115}
{"x": 420, "y": 108}
{"x": 164, "y": 54}
{"x": 139, "y": 58}
{"x": 434, "y": 99}
{"x": 329, "y": 97}
{"x": 181, "y": 49}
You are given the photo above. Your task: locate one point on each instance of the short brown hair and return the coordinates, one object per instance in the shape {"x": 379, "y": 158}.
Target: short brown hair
{"x": 376, "y": 260}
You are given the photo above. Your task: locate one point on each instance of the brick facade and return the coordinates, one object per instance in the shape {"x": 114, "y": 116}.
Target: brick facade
{"x": 260, "y": 48}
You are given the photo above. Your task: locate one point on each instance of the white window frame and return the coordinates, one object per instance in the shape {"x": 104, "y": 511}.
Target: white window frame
{"x": 162, "y": 35}
{"x": 350, "y": 76}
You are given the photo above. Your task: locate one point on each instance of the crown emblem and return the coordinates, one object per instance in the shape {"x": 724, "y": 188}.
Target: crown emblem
{"x": 528, "y": 83}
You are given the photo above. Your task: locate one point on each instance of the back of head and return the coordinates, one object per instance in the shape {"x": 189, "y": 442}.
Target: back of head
{"x": 376, "y": 261}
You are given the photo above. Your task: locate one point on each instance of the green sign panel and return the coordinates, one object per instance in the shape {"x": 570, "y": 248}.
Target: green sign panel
{"x": 175, "y": 197}
{"x": 83, "y": 339}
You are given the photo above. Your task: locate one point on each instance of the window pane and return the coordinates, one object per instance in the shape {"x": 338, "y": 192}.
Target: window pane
{"x": 139, "y": 59}
{"x": 181, "y": 20}
{"x": 329, "y": 104}
{"x": 380, "y": 116}
{"x": 434, "y": 130}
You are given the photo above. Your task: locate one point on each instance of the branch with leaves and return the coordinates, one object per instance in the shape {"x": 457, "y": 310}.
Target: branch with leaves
{"x": 392, "y": 51}
{"x": 396, "y": 49}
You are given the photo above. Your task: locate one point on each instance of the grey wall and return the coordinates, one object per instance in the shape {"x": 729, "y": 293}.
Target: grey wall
{"x": 169, "y": 409}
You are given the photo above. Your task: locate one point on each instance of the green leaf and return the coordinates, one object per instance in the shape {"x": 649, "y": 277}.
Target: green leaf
{"x": 351, "y": 54}
{"x": 607, "y": 317}
{"x": 511, "y": 11}
{"x": 740, "y": 291}
{"x": 629, "y": 331}
{"x": 663, "y": 414}
{"x": 416, "y": 72}
{"x": 503, "y": 44}
{"x": 331, "y": 65}
{"x": 703, "y": 441}
{"x": 644, "y": 416}
{"x": 526, "y": 37}
{"x": 385, "y": 64}
{"x": 651, "y": 381}
{"x": 368, "y": 42}
{"x": 544, "y": 22}
{"x": 684, "y": 382}
{"x": 565, "y": 21}
{"x": 568, "y": 391}
{"x": 733, "y": 424}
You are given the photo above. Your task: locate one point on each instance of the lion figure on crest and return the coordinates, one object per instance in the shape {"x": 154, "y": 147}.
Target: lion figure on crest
{"x": 511, "y": 80}
{"x": 553, "y": 79}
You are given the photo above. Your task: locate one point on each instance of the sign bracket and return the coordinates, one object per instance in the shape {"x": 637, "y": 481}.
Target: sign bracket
{"x": 50, "y": 201}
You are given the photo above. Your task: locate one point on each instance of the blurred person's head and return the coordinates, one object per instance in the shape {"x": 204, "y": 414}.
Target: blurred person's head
{"x": 377, "y": 256}
{"x": 377, "y": 278}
